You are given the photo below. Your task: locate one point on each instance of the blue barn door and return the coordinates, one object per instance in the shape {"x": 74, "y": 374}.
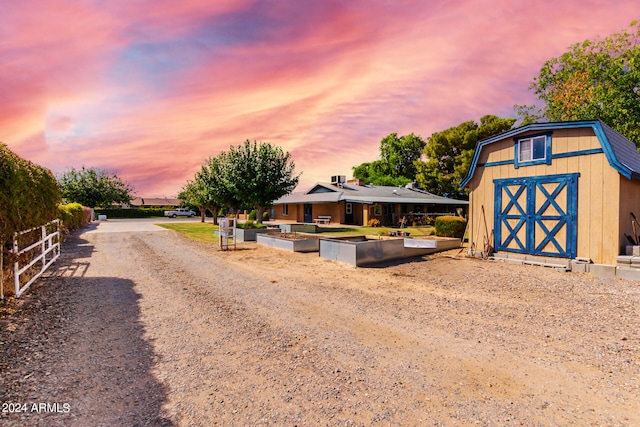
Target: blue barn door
{"x": 537, "y": 215}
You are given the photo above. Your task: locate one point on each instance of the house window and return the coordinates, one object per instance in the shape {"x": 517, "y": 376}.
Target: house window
{"x": 285, "y": 210}
{"x": 349, "y": 209}
{"x": 533, "y": 150}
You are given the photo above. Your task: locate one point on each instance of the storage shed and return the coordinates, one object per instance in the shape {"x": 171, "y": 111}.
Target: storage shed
{"x": 561, "y": 190}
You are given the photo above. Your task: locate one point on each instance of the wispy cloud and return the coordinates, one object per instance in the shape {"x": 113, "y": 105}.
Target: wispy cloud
{"x": 151, "y": 89}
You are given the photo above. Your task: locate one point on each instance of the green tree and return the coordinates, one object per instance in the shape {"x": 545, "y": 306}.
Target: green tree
{"x": 94, "y": 187}
{"x": 211, "y": 189}
{"x": 595, "y": 79}
{"x": 449, "y": 154}
{"x": 193, "y": 194}
{"x": 396, "y": 164}
{"x": 251, "y": 174}
{"x": 257, "y": 174}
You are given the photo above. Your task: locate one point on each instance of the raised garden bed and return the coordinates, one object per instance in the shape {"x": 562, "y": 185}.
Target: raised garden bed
{"x": 249, "y": 234}
{"x": 363, "y": 250}
{"x": 290, "y": 241}
{"x": 432, "y": 242}
{"x": 298, "y": 228}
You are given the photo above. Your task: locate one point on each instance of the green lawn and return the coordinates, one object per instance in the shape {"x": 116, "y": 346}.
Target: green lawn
{"x": 203, "y": 232}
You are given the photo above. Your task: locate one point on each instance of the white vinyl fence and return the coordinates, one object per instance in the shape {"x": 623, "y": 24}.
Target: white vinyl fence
{"x": 43, "y": 252}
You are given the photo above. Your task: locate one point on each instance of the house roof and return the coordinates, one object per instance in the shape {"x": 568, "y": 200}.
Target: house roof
{"x": 621, "y": 153}
{"x": 368, "y": 194}
{"x": 154, "y": 201}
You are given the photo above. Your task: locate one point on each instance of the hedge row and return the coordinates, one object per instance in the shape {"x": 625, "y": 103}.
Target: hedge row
{"x": 74, "y": 215}
{"x": 29, "y": 194}
{"x": 450, "y": 226}
{"x": 131, "y": 213}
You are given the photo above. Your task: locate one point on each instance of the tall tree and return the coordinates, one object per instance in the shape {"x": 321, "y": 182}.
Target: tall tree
{"x": 193, "y": 194}
{"x": 251, "y": 174}
{"x": 595, "y": 79}
{"x": 258, "y": 174}
{"x": 396, "y": 163}
{"x": 94, "y": 187}
{"x": 449, "y": 154}
{"x": 211, "y": 189}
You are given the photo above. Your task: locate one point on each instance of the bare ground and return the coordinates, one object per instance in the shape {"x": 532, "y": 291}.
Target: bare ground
{"x": 148, "y": 328}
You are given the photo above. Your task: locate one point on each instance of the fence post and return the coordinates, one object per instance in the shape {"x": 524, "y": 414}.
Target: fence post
{"x": 43, "y": 247}
{"x": 16, "y": 266}
{"x": 1, "y": 271}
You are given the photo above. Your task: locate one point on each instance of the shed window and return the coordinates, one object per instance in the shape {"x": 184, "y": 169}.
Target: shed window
{"x": 533, "y": 150}
{"x": 285, "y": 210}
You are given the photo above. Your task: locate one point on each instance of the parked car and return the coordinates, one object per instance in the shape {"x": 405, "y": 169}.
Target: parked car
{"x": 179, "y": 212}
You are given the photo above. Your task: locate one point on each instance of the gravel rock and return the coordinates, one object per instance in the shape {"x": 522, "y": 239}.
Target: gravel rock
{"x": 148, "y": 328}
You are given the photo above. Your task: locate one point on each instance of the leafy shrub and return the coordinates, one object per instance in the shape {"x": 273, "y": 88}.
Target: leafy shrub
{"x": 29, "y": 194}
{"x": 72, "y": 215}
{"x": 253, "y": 215}
{"x": 248, "y": 224}
{"x": 373, "y": 222}
{"x": 450, "y": 226}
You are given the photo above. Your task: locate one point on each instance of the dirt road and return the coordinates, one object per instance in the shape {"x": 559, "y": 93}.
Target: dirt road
{"x": 147, "y": 328}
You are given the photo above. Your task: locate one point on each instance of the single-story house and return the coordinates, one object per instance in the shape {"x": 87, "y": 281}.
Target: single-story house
{"x": 352, "y": 202}
{"x": 154, "y": 202}
{"x": 555, "y": 190}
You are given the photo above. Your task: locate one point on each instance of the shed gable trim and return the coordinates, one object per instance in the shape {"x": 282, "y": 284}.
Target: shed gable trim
{"x": 553, "y": 157}
{"x": 596, "y": 125}
{"x": 577, "y": 153}
{"x": 500, "y": 163}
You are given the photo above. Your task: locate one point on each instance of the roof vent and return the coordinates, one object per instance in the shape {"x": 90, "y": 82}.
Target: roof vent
{"x": 338, "y": 179}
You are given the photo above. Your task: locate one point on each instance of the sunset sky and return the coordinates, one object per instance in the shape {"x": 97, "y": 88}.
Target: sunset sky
{"x": 150, "y": 89}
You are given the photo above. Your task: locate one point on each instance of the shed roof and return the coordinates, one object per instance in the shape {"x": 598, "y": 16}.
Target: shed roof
{"x": 621, "y": 153}
{"x": 368, "y": 194}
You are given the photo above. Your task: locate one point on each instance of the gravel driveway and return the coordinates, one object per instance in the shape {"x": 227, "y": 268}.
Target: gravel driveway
{"x": 136, "y": 327}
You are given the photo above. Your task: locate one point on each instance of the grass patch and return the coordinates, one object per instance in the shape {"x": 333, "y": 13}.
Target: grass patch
{"x": 201, "y": 232}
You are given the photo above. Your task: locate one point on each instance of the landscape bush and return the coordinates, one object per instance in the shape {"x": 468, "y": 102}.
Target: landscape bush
{"x": 450, "y": 226}
{"x": 29, "y": 194}
{"x": 132, "y": 213}
{"x": 250, "y": 224}
{"x": 72, "y": 215}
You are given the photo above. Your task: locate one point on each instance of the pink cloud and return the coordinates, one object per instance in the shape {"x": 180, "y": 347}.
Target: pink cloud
{"x": 153, "y": 89}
